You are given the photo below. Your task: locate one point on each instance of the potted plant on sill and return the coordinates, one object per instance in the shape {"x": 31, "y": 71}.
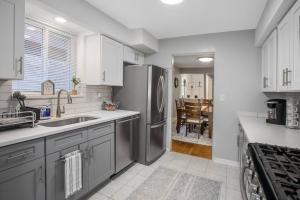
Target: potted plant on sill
{"x": 76, "y": 82}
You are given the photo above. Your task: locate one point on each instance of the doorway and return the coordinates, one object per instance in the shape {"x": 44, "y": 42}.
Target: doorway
{"x": 192, "y": 113}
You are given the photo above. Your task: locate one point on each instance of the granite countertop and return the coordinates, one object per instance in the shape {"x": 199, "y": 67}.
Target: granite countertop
{"x": 257, "y": 130}
{"x": 24, "y": 134}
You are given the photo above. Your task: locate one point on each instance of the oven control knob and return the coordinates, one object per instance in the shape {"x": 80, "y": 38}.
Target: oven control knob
{"x": 253, "y": 188}
{"x": 255, "y": 196}
{"x": 261, "y": 191}
{"x": 248, "y": 162}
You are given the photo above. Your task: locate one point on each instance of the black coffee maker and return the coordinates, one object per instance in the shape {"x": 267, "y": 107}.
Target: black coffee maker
{"x": 276, "y": 113}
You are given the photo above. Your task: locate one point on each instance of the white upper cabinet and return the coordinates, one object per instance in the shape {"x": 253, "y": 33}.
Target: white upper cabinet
{"x": 12, "y": 15}
{"x": 284, "y": 53}
{"x": 294, "y": 74}
{"x": 289, "y": 51}
{"x": 104, "y": 61}
{"x": 132, "y": 56}
{"x": 269, "y": 63}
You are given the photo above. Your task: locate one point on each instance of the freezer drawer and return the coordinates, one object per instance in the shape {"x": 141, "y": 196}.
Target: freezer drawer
{"x": 156, "y": 141}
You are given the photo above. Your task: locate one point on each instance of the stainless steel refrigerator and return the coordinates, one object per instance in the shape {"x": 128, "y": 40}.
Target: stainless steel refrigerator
{"x": 145, "y": 90}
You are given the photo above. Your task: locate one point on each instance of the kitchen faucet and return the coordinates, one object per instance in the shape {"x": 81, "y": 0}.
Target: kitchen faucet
{"x": 58, "y": 110}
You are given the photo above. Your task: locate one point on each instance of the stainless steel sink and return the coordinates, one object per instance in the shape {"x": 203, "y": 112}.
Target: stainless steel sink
{"x": 68, "y": 121}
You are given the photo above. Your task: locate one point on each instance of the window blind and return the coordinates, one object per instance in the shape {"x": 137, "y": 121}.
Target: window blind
{"x": 47, "y": 56}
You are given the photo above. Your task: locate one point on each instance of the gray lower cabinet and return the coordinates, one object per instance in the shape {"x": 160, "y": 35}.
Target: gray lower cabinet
{"x": 55, "y": 173}
{"x": 27, "y": 174}
{"x": 26, "y": 181}
{"x": 102, "y": 159}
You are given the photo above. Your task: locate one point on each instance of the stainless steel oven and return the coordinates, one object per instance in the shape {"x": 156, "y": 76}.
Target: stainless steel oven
{"x": 251, "y": 187}
{"x": 249, "y": 181}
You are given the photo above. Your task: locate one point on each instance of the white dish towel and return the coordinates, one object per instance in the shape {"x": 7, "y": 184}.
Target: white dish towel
{"x": 73, "y": 173}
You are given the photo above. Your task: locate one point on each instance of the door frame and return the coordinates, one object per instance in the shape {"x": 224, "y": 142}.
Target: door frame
{"x": 172, "y": 104}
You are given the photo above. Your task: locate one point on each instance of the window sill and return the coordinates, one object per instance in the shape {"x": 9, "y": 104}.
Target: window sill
{"x": 32, "y": 96}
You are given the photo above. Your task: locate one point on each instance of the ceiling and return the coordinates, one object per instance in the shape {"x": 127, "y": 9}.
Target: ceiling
{"x": 188, "y": 18}
{"x": 38, "y": 12}
{"x": 191, "y": 61}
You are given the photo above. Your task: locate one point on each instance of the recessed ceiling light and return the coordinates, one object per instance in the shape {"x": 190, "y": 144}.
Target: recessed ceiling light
{"x": 31, "y": 28}
{"x": 205, "y": 59}
{"x": 60, "y": 19}
{"x": 171, "y": 2}
{"x": 26, "y": 36}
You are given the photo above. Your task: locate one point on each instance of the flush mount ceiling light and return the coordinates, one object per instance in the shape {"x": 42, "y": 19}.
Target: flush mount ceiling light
{"x": 60, "y": 20}
{"x": 171, "y": 2}
{"x": 205, "y": 59}
{"x": 31, "y": 28}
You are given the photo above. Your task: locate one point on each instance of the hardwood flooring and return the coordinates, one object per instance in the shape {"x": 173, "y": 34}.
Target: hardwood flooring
{"x": 199, "y": 150}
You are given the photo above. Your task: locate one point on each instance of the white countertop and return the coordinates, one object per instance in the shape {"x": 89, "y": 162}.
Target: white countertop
{"x": 24, "y": 134}
{"x": 257, "y": 130}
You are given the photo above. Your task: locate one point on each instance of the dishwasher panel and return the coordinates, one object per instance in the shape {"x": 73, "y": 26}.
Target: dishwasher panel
{"x": 125, "y": 130}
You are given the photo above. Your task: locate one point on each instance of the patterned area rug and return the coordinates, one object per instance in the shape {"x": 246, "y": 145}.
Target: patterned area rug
{"x": 192, "y": 137}
{"x": 169, "y": 184}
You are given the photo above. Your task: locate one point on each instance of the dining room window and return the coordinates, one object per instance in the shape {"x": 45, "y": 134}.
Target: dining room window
{"x": 192, "y": 86}
{"x": 48, "y": 55}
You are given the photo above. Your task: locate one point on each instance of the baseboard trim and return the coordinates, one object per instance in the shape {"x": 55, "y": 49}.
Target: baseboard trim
{"x": 226, "y": 162}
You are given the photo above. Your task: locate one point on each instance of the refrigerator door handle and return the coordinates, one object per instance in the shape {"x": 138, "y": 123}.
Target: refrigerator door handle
{"x": 162, "y": 106}
{"x": 158, "y": 125}
{"x": 159, "y": 94}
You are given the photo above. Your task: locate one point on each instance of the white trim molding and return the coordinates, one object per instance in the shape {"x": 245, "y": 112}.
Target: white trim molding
{"x": 226, "y": 162}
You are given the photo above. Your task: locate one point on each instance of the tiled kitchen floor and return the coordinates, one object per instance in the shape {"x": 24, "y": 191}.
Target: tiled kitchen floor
{"x": 121, "y": 187}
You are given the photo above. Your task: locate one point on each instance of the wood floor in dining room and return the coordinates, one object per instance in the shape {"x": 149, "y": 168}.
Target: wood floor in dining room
{"x": 199, "y": 150}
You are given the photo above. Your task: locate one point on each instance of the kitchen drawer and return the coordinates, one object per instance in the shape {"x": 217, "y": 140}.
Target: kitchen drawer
{"x": 64, "y": 140}
{"x": 101, "y": 130}
{"x": 20, "y": 153}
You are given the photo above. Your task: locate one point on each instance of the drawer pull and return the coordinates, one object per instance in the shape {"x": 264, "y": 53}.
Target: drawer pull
{"x": 102, "y": 127}
{"x": 20, "y": 156}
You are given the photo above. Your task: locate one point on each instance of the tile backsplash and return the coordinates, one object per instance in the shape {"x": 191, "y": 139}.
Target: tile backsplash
{"x": 90, "y": 98}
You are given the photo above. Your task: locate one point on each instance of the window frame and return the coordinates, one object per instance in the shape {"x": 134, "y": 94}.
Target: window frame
{"x": 46, "y": 28}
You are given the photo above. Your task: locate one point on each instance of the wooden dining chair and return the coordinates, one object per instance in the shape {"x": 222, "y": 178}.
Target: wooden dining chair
{"x": 193, "y": 116}
{"x": 181, "y": 102}
{"x": 207, "y": 113}
{"x": 181, "y": 117}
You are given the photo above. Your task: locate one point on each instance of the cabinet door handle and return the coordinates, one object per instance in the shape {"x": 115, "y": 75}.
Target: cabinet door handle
{"x": 265, "y": 82}
{"x": 21, "y": 65}
{"x": 41, "y": 174}
{"x": 104, "y": 76}
{"x": 91, "y": 153}
{"x": 85, "y": 154}
{"x": 287, "y": 76}
{"x": 283, "y": 77}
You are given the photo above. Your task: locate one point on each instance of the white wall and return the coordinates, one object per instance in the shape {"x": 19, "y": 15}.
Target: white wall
{"x": 237, "y": 77}
{"x": 87, "y": 16}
